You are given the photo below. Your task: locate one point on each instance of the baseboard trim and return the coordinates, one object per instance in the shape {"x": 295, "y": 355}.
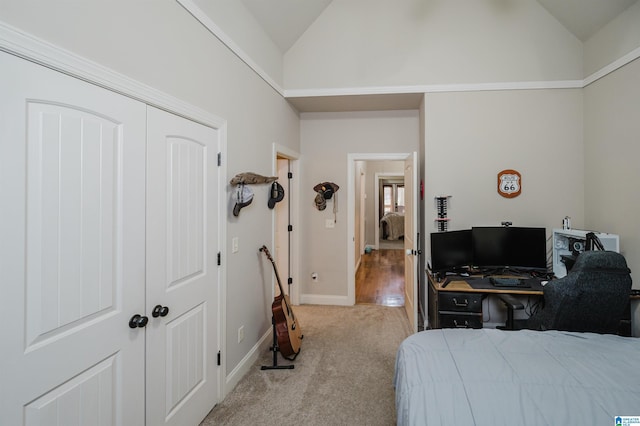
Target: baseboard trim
{"x": 245, "y": 365}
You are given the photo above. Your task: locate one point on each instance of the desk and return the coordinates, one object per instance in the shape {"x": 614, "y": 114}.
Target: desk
{"x": 459, "y": 304}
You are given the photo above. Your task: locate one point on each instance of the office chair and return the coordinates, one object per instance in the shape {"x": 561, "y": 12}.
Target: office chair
{"x": 592, "y": 297}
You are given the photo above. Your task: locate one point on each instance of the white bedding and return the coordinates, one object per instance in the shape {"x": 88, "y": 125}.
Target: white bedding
{"x": 494, "y": 377}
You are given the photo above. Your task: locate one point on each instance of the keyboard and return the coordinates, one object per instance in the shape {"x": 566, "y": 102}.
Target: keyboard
{"x": 510, "y": 282}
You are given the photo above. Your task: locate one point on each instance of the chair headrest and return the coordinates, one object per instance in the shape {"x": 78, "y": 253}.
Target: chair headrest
{"x": 605, "y": 261}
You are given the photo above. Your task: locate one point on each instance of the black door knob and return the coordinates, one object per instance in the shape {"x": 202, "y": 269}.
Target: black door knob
{"x": 160, "y": 311}
{"x": 138, "y": 321}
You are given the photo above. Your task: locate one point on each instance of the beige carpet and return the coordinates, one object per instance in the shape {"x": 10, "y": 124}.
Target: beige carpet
{"x": 342, "y": 376}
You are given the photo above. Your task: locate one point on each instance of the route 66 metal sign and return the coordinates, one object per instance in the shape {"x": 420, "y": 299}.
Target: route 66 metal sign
{"x": 509, "y": 183}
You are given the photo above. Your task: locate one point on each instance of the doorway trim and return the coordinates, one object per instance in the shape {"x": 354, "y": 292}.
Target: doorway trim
{"x": 280, "y": 151}
{"x": 351, "y": 206}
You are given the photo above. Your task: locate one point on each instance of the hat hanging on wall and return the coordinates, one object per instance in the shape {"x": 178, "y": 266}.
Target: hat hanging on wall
{"x": 320, "y": 201}
{"x": 275, "y": 195}
{"x": 251, "y": 178}
{"x": 243, "y": 196}
{"x": 325, "y": 191}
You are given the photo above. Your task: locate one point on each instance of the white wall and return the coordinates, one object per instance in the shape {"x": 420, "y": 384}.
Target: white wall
{"x": 471, "y": 137}
{"x": 233, "y": 18}
{"x": 159, "y": 44}
{"x": 326, "y": 140}
{"x": 612, "y": 153}
{"x": 373, "y": 43}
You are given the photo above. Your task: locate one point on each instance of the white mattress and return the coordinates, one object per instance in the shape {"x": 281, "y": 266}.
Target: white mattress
{"x": 494, "y": 377}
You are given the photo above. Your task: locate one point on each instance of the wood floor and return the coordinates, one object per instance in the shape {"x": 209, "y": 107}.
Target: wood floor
{"x": 380, "y": 278}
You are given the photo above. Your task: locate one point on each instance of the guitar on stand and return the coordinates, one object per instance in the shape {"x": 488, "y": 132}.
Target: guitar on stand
{"x": 287, "y": 333}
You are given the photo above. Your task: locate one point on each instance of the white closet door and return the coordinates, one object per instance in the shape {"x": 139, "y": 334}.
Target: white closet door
{"x": 72, "y": 161}
{"x": 182, "y": 273}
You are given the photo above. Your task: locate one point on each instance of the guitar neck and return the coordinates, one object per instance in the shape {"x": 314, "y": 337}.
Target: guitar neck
{"x": 265, "y": 250}
{"x": 275, "y": 271}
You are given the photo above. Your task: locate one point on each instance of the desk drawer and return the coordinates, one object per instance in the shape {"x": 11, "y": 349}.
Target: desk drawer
{"x": 459, "y": 302}
{"x": 455, "y": 320}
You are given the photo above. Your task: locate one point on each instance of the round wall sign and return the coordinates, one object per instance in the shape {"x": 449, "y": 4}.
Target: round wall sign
{"x": 509, "y": 183}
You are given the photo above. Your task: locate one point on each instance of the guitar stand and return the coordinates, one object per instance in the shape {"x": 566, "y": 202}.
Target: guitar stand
{"x": 274, "y": 348}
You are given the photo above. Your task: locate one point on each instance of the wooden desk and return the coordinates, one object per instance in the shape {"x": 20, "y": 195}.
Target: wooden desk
{"x": 459, "y": 305}
{"x": 461, "y": 285}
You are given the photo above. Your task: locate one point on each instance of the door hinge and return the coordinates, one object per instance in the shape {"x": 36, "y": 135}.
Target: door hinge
{"x": 290, "y": 280}
{"x": 290, "y": 175}
{"x": 219, "y": 358}
{"x": 290, "y": 228}
{"x": 219, "y": 159}
{"x": 219, "y": 258}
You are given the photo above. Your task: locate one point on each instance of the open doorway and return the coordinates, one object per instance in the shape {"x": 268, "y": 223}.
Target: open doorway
{"x": 360, "y": 255}
{"x": 285, "y": 218}
{"x": 389, "y": 207}
{"x": 380, "y": 273}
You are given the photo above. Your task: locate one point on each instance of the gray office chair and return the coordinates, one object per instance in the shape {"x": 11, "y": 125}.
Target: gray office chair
{"x": 592, "y": 297}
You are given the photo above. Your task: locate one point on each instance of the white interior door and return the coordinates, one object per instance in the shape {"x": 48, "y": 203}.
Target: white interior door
{"x": 182, "y": 273}
{"x": 410, "y": 239}
{"x": 282, "y": 218}
{"x": 72, "y": 161}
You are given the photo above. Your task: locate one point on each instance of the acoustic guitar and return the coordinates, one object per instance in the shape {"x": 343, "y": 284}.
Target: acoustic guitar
{"x": 287, "y": 327}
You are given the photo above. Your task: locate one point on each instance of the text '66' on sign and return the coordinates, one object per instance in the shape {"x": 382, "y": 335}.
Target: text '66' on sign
{"x": 509, "y": 183}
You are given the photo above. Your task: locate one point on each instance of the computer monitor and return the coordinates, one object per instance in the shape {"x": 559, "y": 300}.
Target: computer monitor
{"x": 490, "y": 246}
{"x": 451, "y": 250}
{"x": 528, "y": 248}
{"x": 509, "y": 248}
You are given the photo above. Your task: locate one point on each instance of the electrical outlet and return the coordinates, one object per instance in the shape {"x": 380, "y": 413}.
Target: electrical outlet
{"x": 241, "y": 334}
{"x": 330, "y": 223}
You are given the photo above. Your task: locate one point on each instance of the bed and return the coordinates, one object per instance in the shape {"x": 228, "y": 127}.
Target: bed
{"x": 495, "y": 377}
{"x": 392, "y": 226}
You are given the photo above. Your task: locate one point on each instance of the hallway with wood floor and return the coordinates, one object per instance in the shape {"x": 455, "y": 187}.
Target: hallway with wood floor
{"x": 380, "y": 278}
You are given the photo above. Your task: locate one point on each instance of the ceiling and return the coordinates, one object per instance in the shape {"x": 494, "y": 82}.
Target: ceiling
{"x": 284, "y": 21}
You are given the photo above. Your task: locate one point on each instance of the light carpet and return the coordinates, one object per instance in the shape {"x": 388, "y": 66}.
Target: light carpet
{"x": 342, "y": 376}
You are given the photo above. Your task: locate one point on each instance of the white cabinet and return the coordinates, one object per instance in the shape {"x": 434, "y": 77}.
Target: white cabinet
{"x": 79, "y": 211}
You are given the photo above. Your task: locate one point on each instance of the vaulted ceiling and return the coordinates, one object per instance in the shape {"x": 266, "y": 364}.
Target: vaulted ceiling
{"x": 286, "y": 20}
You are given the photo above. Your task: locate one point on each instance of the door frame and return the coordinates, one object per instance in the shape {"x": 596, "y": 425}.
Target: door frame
{"x": 280, "y": 151}
{"x": 351, "y": 167}
{"x": 36, "y": 50}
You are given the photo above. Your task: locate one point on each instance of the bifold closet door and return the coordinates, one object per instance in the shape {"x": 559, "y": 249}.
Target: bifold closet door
{"x": 182, "y": 273}
{"x": 72, "y": 235}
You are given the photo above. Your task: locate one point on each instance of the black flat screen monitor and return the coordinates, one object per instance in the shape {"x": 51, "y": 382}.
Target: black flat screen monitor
{"x": 528, "y": 248}
{"x": 509, "y": 248}
{"x": 451, "y": 250}
{"x": 490, "y": 246}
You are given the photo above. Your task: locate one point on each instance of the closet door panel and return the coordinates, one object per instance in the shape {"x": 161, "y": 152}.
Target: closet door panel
{"x": 72, "y": 161}
{"x": 182, "y": 273}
